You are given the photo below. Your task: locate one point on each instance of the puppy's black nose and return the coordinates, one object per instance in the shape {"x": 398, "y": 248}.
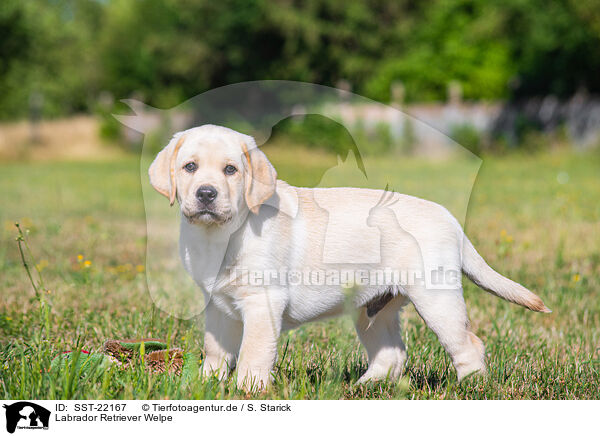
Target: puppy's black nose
{"x": 206, "y": 194}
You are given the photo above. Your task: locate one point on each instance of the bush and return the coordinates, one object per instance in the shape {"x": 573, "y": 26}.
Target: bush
{"x": 316, "y": 131}
{"x": 468, "y": 136}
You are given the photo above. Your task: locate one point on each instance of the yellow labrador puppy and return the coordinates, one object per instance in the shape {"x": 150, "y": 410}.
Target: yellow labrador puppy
{"x": 255, "y": 246}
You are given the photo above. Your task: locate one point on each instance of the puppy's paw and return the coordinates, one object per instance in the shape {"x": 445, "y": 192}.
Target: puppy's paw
{"x": 253, "y": 380}
{"x": 474, "y": 370}
{"x": 215, "y": 367}
{"x": 378, "y": 373}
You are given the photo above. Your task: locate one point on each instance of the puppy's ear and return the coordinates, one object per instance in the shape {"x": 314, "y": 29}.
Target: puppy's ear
{"x": 261, "y": 178}
{"x": 162, "y": 170}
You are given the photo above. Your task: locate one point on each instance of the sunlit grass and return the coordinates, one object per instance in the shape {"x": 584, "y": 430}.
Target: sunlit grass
{"x": 86, "y": 229}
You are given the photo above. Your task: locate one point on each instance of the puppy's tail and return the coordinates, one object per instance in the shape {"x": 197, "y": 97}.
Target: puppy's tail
{"x": 485, "y": 277}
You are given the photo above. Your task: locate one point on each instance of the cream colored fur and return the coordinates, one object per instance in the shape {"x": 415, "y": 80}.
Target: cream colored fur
{"x": 286, "y": 230}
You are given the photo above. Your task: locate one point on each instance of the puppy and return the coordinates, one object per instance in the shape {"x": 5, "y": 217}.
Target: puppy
{"x": 268, "y": 258}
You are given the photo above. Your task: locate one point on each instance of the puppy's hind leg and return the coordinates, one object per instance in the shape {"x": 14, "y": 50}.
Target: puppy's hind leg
{"x": 445, "y": 312}
{"x": 382, "y": 339}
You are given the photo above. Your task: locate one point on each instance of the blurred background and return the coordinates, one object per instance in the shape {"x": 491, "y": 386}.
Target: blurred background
{"x": 494, "y": 75}
{"x": 517, "y": 82}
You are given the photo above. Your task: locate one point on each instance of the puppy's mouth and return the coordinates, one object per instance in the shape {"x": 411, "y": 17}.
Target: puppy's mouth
{"x": 206, "y": 216}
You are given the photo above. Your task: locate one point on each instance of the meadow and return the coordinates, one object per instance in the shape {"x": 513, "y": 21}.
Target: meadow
{"x": 534, "y": 217}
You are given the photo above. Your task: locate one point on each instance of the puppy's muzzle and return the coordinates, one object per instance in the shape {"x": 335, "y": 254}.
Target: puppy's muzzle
{"x": 206, "y": 194}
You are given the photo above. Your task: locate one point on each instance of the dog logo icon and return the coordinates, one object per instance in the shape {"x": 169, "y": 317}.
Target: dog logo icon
{"x": 26, "y": 415}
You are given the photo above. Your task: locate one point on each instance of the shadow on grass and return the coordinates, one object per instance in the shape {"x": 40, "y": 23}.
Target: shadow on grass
{"x": 425, "y": 379}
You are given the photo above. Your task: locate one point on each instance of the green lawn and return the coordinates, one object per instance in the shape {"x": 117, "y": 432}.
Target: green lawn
{"x": 86, "y": 231}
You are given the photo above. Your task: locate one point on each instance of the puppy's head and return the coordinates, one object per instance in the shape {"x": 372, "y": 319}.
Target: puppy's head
{"x": 215, "y": 173}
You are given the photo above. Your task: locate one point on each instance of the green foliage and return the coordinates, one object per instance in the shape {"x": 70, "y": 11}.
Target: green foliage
{"x": 165, "y": 51}
{"x": 316, "y": 131}
{"x": 455, "y": 40}
{"x": 468, "y": 136}
{"x": 52, "y": 54}
{"x": 110, "y": 127}
{"x": 555, "y": 45}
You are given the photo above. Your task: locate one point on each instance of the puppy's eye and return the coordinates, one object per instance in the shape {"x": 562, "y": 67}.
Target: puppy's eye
{"x": 229, "y": 170}
{"x": 190, "y": 167}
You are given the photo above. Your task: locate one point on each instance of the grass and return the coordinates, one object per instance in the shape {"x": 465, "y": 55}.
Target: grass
{"x": 85, "y": 225}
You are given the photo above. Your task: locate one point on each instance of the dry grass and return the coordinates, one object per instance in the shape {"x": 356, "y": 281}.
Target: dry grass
{"x": 63, "y": 139}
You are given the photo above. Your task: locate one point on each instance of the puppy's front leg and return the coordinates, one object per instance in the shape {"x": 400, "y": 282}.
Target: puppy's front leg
{"x": 222, "y": 339}
{"x": 262, "y": 325}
